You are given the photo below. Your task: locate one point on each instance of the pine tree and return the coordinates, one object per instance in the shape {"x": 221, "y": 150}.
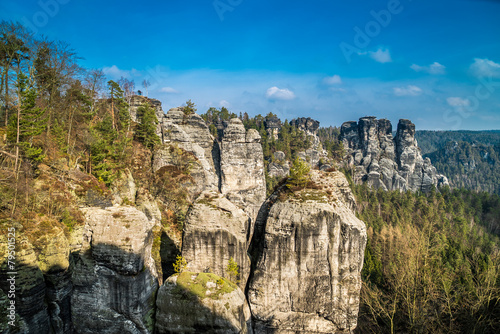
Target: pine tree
{"x": 299, "y": 174}
{"x": 28, "y": 123}
{"x": 189, "y": 108}
{"x": 146, "y": 129}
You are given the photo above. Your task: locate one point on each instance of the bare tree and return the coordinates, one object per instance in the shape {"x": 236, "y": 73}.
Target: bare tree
{"x": 128, "y": 87}
{"x": 146, "y": 84}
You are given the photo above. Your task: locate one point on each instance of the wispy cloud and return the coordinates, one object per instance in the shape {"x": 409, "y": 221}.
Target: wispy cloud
{"x": 333, "y": 80}
{"x": 114, "y": 72}
{"x": 382, "y": 55}
{"x": 275, "y": 93}
{"x": 224, "y": 103}
{"x": 434, "y": 68}
{"x": 485, "y": 68}
{"x": 409, "y": 90}
{"x": 458, "y": 102}
{"x": 169, "y": 90}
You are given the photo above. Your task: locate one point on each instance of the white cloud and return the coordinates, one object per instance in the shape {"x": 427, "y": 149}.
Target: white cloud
{"x": 224, "y": 103}
{"x": 409, "y": 90}
{"x": 381, "y": 55}
{"x": 485, "y": 68}
{"x": 458, "y": 102}
{"x": 275, "y": 93}
{"x": 333, "y": 80}
{"x": 434, "y": 68}
{"x": 169, "y": 90}
{"x": 115, "y": 73}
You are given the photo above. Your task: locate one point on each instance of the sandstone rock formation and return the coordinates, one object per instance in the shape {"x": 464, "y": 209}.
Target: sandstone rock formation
{"x": 137, "y": 100}
{"x": 307, "y": 255}
{"x": 201, "y": 303}
{"x": 242, "y": 167}
{"x": 310, "y": 127}
{"x": 191, "y": 134}
{"x": 272, "y": 124}
{"x": 32, "y": 314}
{"x": 215, "y": 231}
{"x": 387, "y": 162}
{"x": 114, "y": 277}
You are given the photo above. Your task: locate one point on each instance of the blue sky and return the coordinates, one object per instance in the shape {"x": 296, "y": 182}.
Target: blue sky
{"x": 434, "y": 62}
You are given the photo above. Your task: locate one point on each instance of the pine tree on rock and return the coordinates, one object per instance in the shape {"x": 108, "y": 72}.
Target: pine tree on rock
{"x": 299, "y": 174}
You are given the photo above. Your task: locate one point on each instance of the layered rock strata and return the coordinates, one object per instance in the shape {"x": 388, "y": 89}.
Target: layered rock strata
{"x": 387, "y": 162}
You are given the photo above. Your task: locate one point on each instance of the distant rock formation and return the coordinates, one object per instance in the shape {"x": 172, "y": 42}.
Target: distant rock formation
{"x": 280, "y": 168}
{"x": 307, "y": 253}
{"x": 387, "y": 162}
{"x": 308, "y": 125}
{"x": 272, "y": 126}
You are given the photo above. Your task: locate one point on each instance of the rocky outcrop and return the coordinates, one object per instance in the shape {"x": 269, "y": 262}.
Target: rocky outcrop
{"x": 215, "y": 231}
{"x": 272, "y": 124}
{"x": 242, "y": 167}
{"x": 307, "y": 254}
{"x": 31, "y": 310}
{"x": 190, "y": 134}
{"x": 114, "y": 277}
{"x": 308, "y": 125}
{"x": 315, "y": 153}
{"x": 137, "y": 100}
{"x": 387, "y": 162}
{"x": 201, "y": 303}
{"x": 280, "y": 168}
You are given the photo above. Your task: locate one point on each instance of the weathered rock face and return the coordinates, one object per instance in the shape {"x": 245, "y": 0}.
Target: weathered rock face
{"x": 216, "y": 230}
{"x": 191, "y": 134}
{"x": 115, "y": 277}
{"x": 308, "y": 125}
{"x": 32, "y": 314}
{"x": 201, "y": 303}
{"x": 124, "y": 188}
{"x": 272, "y": 126}
{"x": 386, "y": 162}
{"x": 242, "y": 167}
{"x": 280, "y": 170}
{"x": 308, "y": 254}
{"x": 137, "y": 100}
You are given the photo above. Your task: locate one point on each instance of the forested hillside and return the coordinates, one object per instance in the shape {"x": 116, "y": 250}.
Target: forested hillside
{"x": 469, "y": 159}
{"x": 432, "y": 262}
{"x": 431, "y": 141}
